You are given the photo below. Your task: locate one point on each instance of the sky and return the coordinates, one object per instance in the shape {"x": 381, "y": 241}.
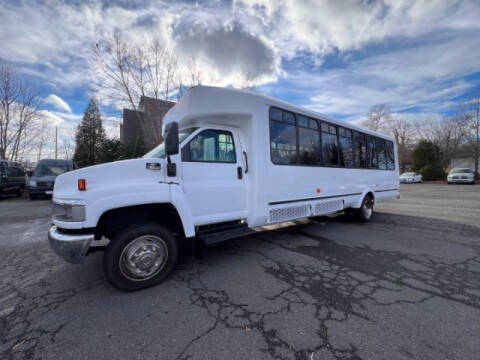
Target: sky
{"x": 336, "y": 57}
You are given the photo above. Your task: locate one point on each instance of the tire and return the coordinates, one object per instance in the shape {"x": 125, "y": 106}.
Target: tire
{"x": 145, "y": 244}
{"x": 20, "y": 191}
{"x": 365, "y": 213}
{"x": 33, "y": 197}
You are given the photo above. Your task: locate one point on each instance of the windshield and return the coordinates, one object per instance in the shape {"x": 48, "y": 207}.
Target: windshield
{"x": 408, "y": 174}
{"x": 460, "y": 171}
{"x": 51, "y": 169}
{"x": 159, "y": 151}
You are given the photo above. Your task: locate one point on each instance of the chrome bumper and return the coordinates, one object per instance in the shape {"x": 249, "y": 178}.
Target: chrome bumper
{"x": 70, "y": 247}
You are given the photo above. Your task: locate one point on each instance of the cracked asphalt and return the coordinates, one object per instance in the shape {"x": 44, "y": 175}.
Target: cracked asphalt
{"x": 405, "y": 286}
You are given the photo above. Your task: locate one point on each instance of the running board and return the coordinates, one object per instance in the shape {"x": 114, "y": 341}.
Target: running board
{"x": 210, "y": 238}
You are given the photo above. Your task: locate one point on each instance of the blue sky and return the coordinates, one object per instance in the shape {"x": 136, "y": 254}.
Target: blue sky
{"x": 337, "y": 57}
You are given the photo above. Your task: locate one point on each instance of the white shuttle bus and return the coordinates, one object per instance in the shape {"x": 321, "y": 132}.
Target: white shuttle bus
{"x": 232, "y": 160}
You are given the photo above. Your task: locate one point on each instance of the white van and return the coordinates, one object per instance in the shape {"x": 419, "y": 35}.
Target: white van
{"x": 232, "y": 160}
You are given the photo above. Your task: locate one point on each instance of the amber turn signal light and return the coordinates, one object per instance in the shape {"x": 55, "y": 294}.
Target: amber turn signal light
{"x": 82, "y": 184}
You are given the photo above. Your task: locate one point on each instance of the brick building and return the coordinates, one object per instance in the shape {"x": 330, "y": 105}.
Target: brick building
{"x": 146, "y": 123}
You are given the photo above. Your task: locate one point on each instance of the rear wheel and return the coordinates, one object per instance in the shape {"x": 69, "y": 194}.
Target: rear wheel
{"x": 140, "y": 256}
{"x": 365, "y": 212}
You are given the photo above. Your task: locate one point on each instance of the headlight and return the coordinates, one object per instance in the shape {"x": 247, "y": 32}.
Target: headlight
{"x": 33, "y": 183}
{"x": 68, "y": 210}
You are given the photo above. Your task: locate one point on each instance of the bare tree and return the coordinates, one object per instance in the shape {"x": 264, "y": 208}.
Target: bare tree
{"x": 446, "y": 133}
{"x": 402, "y": 131}
{"x": 189, "y": 76}
{"x": 377, "y": 117}
{"x": 471, "y": 128}
{"x": 127, "y": 71}
{"x": 18, "y": 113}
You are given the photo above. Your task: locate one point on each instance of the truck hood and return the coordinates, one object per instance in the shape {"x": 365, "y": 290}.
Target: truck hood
{"x": 114, "y": 174}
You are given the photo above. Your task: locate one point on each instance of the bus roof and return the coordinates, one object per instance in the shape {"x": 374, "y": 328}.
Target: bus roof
{"x": 221, "y": 96}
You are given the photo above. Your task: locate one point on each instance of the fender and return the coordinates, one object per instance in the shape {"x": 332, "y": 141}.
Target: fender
{"x": 358, "y": 203}
{"x": 124, "y": 196}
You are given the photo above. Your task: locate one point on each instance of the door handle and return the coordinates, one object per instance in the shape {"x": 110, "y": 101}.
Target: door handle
{"x": 239, "y": 172}
{"x": 246, "y": 162}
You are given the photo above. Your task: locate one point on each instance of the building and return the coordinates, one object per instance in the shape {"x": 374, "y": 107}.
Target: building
{"x": 146, "y": 123}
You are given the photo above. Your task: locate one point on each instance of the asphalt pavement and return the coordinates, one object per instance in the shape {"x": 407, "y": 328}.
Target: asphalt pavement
{"x": 405, "y": 286}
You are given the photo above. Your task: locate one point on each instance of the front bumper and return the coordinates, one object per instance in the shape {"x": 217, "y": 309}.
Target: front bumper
{"x": 459, "y": 181}
{"x": 41, "y": 191}
{"x": 70, "y": 247}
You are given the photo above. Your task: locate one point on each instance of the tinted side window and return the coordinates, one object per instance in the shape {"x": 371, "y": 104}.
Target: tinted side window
{"x": 360, "y": 149}
{"x": 345, "y": 147}
{"x": 380, "y": 150}
{"x": 390, "y": 156}
{"x": 309, "y": 147}
{"x": 283, "y": 143}
{"x": 329, "y": 145}
{"x": 210, "y": 146}
{"x": 371, "y": 154}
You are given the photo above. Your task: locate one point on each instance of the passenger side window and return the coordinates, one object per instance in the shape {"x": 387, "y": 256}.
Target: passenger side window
{"x": 11, "y": 172}
{"x": 371, "y": 154}
{"x": 283, "y": 137}
{"x": 329, "y": 145}
{"x": 380, "y": 150}
{"x": 390, "y": 156}
{"x": 308, "y": 141}
{"x": 346, "y": 147}
{"x": 360, "y": 149}
{"x": 210, "y": 146}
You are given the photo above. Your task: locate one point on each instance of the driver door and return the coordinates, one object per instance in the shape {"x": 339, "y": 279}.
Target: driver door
{"x": 213, "y": 177}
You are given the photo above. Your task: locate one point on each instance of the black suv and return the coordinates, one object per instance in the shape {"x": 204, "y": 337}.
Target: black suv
{"x": 12, "y": 178}
{"x": 46, "y": 171}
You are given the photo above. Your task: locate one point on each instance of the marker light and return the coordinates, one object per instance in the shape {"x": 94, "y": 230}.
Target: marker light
{"x": 82, "y": 184}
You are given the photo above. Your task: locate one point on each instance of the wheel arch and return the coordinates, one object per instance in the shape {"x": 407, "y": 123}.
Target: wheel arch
{"x": 117, "y": 219}
{"x": 366, "y": 192}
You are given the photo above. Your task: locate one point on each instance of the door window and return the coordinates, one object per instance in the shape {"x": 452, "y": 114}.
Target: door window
{"x": 210, "y": 146}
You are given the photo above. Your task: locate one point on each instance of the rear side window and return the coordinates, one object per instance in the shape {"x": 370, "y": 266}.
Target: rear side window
{"x": 210, "y": 146}
{"x": 390, "y": 155}
{"x": 283, "y": 137}
{"x": 329, "y": 145}
{"x": 345, "y": 138}
{"x": 380, "y": 150}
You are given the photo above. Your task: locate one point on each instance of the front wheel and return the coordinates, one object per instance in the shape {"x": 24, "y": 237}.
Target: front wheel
{"x": 365, "y": 212}
{"x": 140, "y": 256}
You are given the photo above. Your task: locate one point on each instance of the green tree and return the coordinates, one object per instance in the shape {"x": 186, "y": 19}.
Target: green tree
{"x": 426, "y": 153}
{"x": 427, "y": 159}
{"x": 90, "y": 137}
{"x": 111, "y": 150}
{"x": 133, "y": 149}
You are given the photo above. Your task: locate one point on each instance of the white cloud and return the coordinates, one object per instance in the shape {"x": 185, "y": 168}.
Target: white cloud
{"x": 58, "y": 102}
{"x": 408, "y": 53}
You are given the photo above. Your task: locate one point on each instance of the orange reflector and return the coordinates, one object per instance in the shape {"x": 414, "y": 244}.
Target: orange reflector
{"x": 82, "y": 184}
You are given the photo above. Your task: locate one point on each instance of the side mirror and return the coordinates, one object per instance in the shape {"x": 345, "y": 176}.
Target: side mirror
{"x": 171, "y": 138}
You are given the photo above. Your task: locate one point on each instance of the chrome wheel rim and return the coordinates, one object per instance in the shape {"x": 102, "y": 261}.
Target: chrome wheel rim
{"x": 368, "y": 208}
{"x": 143, "y": 258}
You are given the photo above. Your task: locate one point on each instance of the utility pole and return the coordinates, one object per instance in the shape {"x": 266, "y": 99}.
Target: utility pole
{"x": 56, "y": 142}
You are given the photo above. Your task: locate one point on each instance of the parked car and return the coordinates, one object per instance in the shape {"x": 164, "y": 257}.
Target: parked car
{"x": 43, "y": 179}
{"x": 231, "y": 160}
{"x": 12, "y": 178}
{"x": 411, "y": 177}
{"x": 461, "y": 176}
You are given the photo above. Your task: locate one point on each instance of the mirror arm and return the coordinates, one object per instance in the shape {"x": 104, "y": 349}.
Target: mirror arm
{"x": 171, "y": 167}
